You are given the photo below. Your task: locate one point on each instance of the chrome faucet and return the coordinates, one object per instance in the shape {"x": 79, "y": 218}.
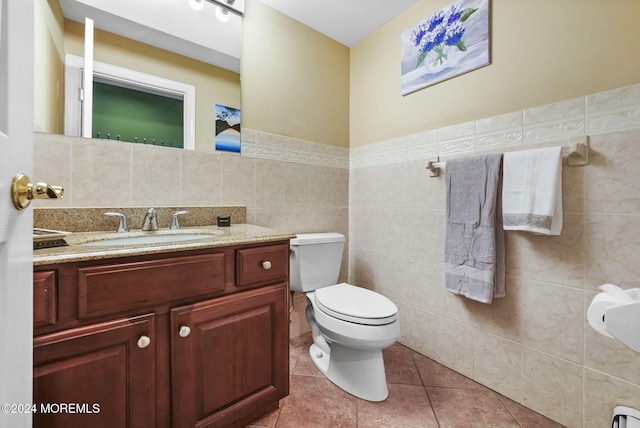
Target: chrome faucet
{"x": 122, "y": 225}
{"x": 150, "y": 221}
{"x": 175, "y": 224}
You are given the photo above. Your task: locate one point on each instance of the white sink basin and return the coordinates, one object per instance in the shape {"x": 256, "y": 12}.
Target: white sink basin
{"x": 151, "y": 239}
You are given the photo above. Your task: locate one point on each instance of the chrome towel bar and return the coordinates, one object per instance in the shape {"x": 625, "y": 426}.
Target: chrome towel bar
{"x": 577, "y": 151}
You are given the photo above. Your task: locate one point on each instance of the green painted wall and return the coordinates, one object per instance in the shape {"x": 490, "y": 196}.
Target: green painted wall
{"x": 135, "y": 116}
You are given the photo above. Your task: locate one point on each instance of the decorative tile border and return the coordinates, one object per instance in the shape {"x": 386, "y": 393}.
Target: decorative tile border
{"x": 613, "y": 110}
{"x": 555, "y": 121}
{"x": 263, "y": 145}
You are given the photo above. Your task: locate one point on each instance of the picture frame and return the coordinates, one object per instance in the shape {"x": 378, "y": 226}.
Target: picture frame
{"x": 227, "y": 129}
{"x": 452, "y": 41}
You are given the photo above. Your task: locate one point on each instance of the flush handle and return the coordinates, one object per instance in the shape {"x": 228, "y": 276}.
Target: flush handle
{"x": 23, "y": 191}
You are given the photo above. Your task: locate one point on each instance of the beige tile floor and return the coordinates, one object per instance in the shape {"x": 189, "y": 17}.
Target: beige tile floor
{"x": 422, "y": 393}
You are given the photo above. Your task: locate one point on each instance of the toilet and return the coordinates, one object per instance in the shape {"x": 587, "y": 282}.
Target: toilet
{"x": 350, "y": 325}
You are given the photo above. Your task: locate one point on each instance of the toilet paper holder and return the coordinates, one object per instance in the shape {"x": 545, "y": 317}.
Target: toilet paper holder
{"x": 623, "y": 322}
{"x": 616, "y": 314}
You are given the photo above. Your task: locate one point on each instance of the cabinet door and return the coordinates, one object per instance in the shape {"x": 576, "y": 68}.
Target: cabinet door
{"x": 45, "y": 297}
{"x": 230, "y": 358}
{"x": 100, "y": 375}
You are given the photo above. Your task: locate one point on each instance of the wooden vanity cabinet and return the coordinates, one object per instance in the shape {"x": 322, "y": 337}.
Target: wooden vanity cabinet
{"x": 187, "y": 339}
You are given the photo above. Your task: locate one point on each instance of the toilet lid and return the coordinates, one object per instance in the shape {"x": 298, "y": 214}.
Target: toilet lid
{"x": 356, "y": 304}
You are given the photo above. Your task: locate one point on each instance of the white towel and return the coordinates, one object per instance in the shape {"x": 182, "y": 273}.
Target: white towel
{"x": 532, "y": 191}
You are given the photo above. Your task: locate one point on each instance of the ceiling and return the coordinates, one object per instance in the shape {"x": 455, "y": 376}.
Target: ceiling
{"x": 347, "y": 21}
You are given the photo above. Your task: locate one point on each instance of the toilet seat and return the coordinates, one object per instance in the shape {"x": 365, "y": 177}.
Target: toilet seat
{"x": 355, "y": 304}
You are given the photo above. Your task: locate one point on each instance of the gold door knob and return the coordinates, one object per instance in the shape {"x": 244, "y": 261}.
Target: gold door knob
{"x": 23, "y": 191}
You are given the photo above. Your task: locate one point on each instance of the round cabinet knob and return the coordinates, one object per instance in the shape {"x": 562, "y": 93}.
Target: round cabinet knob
{"x": 266, "y": 265}
{"x": 143, "y": 342}
{"x": 184, "y": 331}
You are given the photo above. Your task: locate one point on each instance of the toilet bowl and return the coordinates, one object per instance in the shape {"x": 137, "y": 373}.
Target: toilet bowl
{"x": 350, "y": 325}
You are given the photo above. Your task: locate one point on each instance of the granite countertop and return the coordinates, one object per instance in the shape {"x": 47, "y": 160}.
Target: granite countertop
{"x": 78, "y": 250}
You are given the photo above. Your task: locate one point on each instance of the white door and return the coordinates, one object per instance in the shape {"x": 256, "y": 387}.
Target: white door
{"x": 16, "y": 156}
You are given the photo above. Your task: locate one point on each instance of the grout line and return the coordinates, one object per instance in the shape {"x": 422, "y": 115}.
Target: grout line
{"x": 508, "y": 409}
{"x": 424, "y": 387}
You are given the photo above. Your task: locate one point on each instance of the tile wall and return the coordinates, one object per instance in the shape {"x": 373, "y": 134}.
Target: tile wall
{"x": 534, "y": 345}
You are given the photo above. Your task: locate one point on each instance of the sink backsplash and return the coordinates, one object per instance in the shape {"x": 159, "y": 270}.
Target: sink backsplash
{"x": 94, "y": 220}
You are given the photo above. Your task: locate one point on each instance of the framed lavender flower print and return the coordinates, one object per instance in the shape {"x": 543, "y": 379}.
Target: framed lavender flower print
{"x": 452, "y": 41}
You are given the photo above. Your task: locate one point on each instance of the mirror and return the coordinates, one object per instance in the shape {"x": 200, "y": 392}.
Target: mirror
{"x": 182, "y": 41}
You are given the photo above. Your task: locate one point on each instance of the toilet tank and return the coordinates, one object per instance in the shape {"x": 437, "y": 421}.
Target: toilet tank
{"x": 315, "y": 260}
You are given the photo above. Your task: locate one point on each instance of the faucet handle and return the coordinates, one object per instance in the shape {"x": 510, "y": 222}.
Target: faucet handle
{"x": 122, "y": 226}
{"x": 174, "y": 221}
{"x": 150, "y": 221}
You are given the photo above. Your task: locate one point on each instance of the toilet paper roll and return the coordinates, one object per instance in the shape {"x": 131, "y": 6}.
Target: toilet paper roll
{"x": 595, "y": 312}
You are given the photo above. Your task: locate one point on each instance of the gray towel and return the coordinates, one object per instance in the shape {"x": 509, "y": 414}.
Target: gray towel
{"x": 474, "y": 244}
